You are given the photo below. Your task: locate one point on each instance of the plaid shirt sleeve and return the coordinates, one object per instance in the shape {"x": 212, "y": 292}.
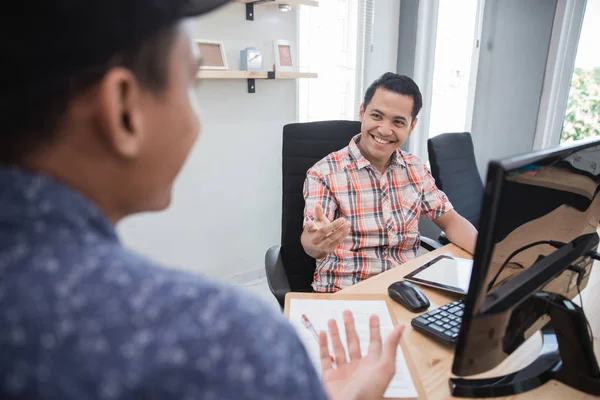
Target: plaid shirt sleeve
{"x": 435, "y": 203}
{"x": 317, "y": 190}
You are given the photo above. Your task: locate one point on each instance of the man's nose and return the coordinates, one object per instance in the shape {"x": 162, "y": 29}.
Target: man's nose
{"x": 385, "y": 129}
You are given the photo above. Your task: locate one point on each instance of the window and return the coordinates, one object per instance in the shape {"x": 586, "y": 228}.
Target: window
{"x": 453, "y": 75}
{"x": 582, "y": 118}
{"x": 332, "y": 41}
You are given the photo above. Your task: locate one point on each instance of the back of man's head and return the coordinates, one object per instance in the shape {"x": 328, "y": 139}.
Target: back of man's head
{"x": 97, "y": 94}
{"x": 55, "y": 49}
{"x": 31, "y": 112}
{"x": 400, "y": 84}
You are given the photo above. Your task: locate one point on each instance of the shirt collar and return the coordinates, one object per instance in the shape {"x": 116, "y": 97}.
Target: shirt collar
{"x": 397, "y": 159}
{"x": 29, "y": 197}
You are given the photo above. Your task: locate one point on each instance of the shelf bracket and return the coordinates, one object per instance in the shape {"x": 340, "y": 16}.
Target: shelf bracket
{"x": 251, "y": 85}
{"x": 252, "y": 81}
{"x": 250, "y": 8}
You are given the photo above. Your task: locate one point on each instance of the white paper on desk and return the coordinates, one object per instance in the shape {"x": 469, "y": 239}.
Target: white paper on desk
{"x": 321, "y": 311}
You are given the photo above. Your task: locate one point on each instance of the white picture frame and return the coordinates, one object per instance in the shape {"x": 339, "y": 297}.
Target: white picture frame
{"x": 285, "y": 58}
{"x": 213, "y": 54}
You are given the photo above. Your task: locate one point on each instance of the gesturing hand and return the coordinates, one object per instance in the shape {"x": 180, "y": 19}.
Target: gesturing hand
{"x": 326, "y": 235}
{"x": 359, "y": 378}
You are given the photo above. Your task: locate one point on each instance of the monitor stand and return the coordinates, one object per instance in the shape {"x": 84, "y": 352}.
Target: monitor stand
{"x": 567, "y": 355}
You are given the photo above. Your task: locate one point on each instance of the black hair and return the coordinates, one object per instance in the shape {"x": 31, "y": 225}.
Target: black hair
{"x": 400, "y": 84}
{"x": 30, "y": 117}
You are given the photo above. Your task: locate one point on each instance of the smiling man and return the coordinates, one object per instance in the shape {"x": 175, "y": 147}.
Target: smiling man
{"x": 363, "y": 202}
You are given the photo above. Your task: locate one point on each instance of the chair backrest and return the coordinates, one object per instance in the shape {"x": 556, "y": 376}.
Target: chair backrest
{"x": 303, "y": 145}
{"x": 453, "y": 166}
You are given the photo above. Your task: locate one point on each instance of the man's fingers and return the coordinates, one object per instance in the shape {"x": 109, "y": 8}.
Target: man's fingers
{"x": 351, "y": 336}
{"x": 326, "y": 363}
{"x": 337, "y": 237}
{"x": 391, "y": 345}
{"x": 375, "y": 341}
{"x": 338, "y": 349}
{"x": 332, "y": 232}
{"x": 318, "y": 212}
{"x": 334, "y": 226}
{"x": 311, "y": 226}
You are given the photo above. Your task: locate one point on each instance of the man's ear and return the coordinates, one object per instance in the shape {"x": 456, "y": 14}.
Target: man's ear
{"x": 412, "y": 126}
{"x": 361, "y": 112}
{"x": 120, "y": 112}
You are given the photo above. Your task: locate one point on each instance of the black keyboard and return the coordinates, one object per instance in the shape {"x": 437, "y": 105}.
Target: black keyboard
{"x": 442, "y": 323}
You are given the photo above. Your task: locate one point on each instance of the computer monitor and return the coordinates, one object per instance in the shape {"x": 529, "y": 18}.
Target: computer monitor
{"x": 537, "y": 234}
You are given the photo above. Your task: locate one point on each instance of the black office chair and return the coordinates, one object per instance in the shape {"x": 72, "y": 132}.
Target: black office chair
{"x": 288, "y": 267}
{"x": 453, "y": 166}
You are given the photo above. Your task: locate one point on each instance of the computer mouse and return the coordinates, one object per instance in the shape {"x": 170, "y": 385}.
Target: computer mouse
{"x": 408, "y": 295}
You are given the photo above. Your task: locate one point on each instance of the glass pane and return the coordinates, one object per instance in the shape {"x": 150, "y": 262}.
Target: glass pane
{"x": 452, "y": 68}
{"x": 582, "y": 119}
{"x": 328, "y": 45}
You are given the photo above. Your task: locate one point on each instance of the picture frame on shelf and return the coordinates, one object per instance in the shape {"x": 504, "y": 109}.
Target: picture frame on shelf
{"x": 213, "y": 54}
{"x": 284, "y": 56}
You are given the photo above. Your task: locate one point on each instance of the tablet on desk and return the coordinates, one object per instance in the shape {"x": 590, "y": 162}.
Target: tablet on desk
{"x": 444, "y": 272}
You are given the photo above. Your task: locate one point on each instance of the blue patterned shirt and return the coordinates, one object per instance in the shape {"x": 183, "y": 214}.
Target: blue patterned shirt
{"x": 83, "y": 318}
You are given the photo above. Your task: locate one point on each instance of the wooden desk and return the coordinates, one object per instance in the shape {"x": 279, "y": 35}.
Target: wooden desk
{"x": 433, "y": 361}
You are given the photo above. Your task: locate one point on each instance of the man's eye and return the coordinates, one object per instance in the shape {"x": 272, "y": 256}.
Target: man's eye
{"x": 400, "y": 123}
{"x": 376, "y": 116}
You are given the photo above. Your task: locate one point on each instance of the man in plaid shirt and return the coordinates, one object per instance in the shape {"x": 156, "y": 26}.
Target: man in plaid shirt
{"x": 364, "y": 201}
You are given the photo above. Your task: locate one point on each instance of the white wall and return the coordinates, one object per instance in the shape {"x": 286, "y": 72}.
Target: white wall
{"x": 227, "y": 201}
{"x": 384, "y": 55}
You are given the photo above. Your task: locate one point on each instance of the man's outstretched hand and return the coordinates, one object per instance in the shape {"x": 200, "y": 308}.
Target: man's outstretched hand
{"x": 358, "y": 378}
{"x": 322, "y": 236}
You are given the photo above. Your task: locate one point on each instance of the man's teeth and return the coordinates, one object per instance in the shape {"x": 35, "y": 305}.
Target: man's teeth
{"x": 378, "y": 140}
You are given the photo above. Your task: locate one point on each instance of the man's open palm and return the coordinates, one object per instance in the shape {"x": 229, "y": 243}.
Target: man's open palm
{"x": 358, "y": 378}
{"x": 324, "y": 234}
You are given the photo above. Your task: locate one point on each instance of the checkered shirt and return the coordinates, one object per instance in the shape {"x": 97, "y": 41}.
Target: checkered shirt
{"x": 383, "y": 211}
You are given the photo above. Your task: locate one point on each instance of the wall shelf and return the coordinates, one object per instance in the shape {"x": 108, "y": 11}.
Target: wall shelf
{"x": 233, "y": 74}
{"x": 251, "y": 3}
{"x": 210, "y": 74}
{"x": 251, "y": 76}
{"x": 312, "y": 3}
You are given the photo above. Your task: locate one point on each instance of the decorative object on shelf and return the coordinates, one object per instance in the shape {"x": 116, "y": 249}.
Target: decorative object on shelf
{"x": 251, "y": 59}
{"x": 212, "y": 53}
{"x": 284, "y": 55}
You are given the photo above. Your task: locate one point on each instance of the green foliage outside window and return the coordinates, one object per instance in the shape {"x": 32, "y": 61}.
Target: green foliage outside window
{"x": 582, "y": 119}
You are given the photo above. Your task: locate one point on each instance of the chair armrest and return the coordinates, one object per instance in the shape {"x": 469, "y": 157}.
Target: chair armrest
{"x": 443, "y": 239}
{"x": 429, "y": 244}
{"x": 276, "y": 276}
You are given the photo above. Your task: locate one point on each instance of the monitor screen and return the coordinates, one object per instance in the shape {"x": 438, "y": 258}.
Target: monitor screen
{"x": 541, "y": 197}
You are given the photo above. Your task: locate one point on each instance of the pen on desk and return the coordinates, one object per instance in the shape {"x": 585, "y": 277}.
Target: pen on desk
{"x": 308, "y": 325}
